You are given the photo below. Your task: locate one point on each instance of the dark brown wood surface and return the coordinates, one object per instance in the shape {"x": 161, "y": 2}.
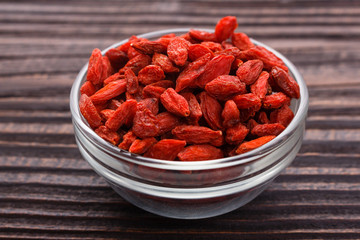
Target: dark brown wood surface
{"x": 47, "y": 191}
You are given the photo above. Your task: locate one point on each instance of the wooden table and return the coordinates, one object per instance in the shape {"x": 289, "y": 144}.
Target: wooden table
{"x": 47, "y": 191}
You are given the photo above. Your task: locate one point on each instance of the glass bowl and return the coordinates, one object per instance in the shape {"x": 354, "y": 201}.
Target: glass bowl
{"x": 190, "y": 190}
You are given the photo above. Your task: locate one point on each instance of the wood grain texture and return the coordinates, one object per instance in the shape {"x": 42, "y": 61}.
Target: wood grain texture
{"x": 49, "y": 192}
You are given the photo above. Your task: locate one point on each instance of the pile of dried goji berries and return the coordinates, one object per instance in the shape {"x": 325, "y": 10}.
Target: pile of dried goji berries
{"x": 197, "y": 96}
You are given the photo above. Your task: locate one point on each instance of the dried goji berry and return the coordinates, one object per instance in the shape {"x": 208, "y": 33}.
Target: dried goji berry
{"x": 164, "y": 62}
{"x": 285, "y": 82}
{"x": 188, "y": 76}
{"x": 218, "y": 142}
{"x": 274, "y": 100}
{"x": 166, "y": 149}
{"x": 196, "y": 134}
{"x": 230, "y": 114}
{"x": 151, "y": 91}
{"x": 113, "y": 78}
{"x": 236, "y": 134}
{"x": 194, "y": 107}
{"x": 167, "y": 122}
{"x": 132, "y": 52}
{"x": 232, "y": 51}
{"x": 225, "y": 28}
{"x": 88, "y": 88}
{"x": 248, "y": 100}
{"x": 117, "y": 58}
{"x": 175, "y": 103}
{"x": 108, "y": 135}
{"x": 106, "y": 114}
{"x": 151, "y": 74}
{"x": 268, "y": 58}
{"x": 99, "y": 68}
{"x": 149, "y": 47}
{"x": 145, "y": 124}
{"x": 283, "y": 115}
{"x": 200, "y": 153}
{"x": 241, "y": 41}
{"x": 249, "y": 71}
{"x": 125, "y": 47}
{"x": 124, "y": 114}
{"x": 89, "y": 111}
{"x": 202, "y": 35}
{"x": 132, "y": 83}
{"x": 140, "y": 146}
{"x": 178, "y": 50}
{"x": 260, "y": 86}
{"x": 225, "y": 86}
{"x": 213, "y": 46}
{"x": 219, "y": 65}
{"x": 226, "y": 45}
{"x": 137, "y": 63}
{"x": 253, "y": 144}
{"x": 197, "y": 50}
{"x": 211, "y": 110}
{"x": 127, "y": 140}
{"x": 151, "y": 103}
{"x": 113, "y": 89}
{"x": 267, "y": 129}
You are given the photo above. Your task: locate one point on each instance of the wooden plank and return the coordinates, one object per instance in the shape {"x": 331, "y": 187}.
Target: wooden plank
{"x": 166, "y": 17}
{"x": 133, "y": 7}
{"x": 43, "y": 29}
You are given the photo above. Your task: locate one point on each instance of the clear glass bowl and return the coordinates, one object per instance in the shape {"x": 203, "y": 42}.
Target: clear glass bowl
{"x": 190, "y": 190}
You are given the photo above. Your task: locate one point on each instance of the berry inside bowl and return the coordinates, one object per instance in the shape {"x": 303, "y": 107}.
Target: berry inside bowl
{"x": 192, "y": 188}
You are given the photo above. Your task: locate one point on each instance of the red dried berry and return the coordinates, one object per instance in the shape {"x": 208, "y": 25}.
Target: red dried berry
{"x": 89, "y": 111}
{"x": 145, "y": 124}
{"x": 113, "y": 89}
{"x": 202, "y": 35}
{"x": 200, "y": 153}
{"x": 261, "y": 130}
{"x": 274, "y": 100}
{"x": 236, "y": 134}
{"x": 241, "y": 41}
{"x": 188, "y": 76}
{"x": 225, "y": 86}
{"x": 196, "y": 134}
{"x": 285, "y": 82}
{"x": 219, "y": 65}
{"x": 167, "y": 122}
{"x": 225, "y": 28}
{"x": 175, "y": 103}
{"x": 166, "y": 149}
{"x": 108, "y": 135}
{"x": 249, "y": 71}
{"x": 230, "y": 114}
{"x": 164, "y": 62}
{"x": 151, "y": 74}
{"x": 211, "y": 110}
{"x": 140, "y": 146}
{"x": 178, "y": 50}
{"x": 124, "y": 114}
{"x": 260, "y": 86}
{"x": 253, "y": 144}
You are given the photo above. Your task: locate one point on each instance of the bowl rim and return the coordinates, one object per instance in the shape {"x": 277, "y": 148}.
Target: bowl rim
{"x": 299, "y": 116}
